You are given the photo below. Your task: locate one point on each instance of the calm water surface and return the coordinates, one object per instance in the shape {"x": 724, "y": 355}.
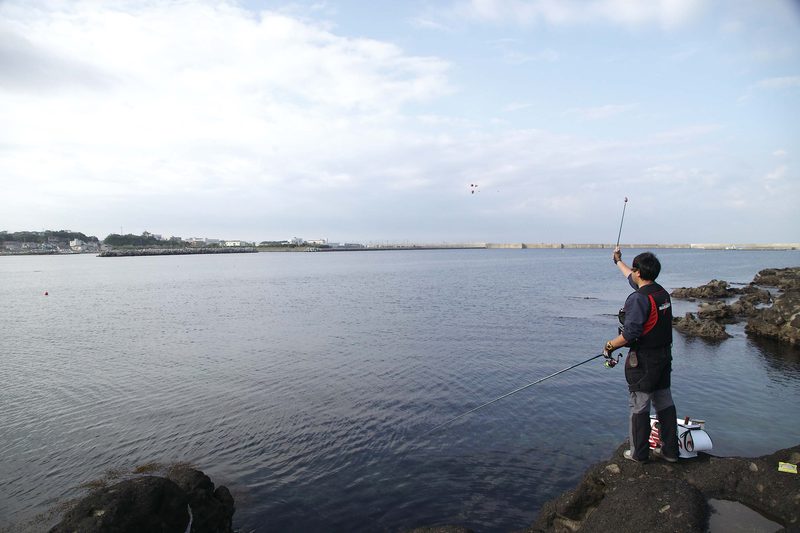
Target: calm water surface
{"x": 306, "y": 382}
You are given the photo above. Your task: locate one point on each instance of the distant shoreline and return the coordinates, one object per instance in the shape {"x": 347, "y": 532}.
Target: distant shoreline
{"x": 174, "y": 251}
{"x": 556, "y": 246}
{"x": 136, "y": 252}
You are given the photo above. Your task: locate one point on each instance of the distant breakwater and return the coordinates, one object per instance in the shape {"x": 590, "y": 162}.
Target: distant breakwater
{"x": 175, "y": 251}
{"x": 133, "y": 252}
{"x": 703, "y": 246}
{"x": 565, "y": 246}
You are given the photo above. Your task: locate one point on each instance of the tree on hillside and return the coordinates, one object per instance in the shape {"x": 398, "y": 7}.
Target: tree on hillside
{"x": 140, "y": 241}
{"x": 43, "y": 236}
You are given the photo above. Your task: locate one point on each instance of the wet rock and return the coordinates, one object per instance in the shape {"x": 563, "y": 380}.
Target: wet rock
{"x": 712, "y": 290}
{"x": 151, "y": 503}
{"x": 142, "y": 504}
{"x": 783, "y": 278}
{"x": 747, "y": 305}
{"x": 210, "y": 506}
{"x": 708, "y": 329}
{"x": 620, "y": 495}
{"x": 718, "y": 311}
{"x": 755, "y": 295}
{"x": 781, "y": 321}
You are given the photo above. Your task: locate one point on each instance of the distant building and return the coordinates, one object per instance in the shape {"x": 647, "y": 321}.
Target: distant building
{"x": 317, "y": 242}
{"x": 296, "y": 240}
{"x": 237, "y": 243}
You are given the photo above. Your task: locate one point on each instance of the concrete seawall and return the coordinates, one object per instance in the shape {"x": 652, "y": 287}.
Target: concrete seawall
{"x": 692, "y": 246}
{"x": 174, "y": 251}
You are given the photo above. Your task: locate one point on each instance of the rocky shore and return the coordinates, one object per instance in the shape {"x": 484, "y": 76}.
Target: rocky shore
{"x": 185, "y": 500}
{"x": 622, "y": 496}
{"x": 721, "y": 304}
{"x": 615, "y": 495}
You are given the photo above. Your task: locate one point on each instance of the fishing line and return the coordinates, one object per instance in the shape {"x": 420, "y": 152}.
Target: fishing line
{"x": 506, "y": 395}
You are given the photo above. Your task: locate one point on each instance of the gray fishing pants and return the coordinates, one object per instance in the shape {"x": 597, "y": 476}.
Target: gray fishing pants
{"x": 639, "y": 429}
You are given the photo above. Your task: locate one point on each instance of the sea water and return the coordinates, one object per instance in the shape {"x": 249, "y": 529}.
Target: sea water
{"x": 307, "y": 383}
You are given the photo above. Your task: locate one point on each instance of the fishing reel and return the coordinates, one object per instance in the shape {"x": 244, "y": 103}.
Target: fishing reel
{"x": 612, "y": 361}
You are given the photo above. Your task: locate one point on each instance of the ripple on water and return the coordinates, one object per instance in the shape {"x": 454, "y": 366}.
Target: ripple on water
{"x": 307, "y": 382}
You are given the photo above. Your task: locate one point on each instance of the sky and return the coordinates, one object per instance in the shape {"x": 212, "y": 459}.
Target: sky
{"x": 448, "y": 121}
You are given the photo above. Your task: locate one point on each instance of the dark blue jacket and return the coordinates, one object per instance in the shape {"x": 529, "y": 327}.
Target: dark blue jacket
{"x": 648, "y": 317}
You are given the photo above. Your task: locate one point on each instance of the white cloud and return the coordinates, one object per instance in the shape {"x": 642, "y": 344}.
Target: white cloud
{"x": 512, "y": 53}
{"x": 429, "y": 23}
{"x": 770, "y": 84}
{"x": 178, "y": 97}
{"x": 777, "y": 174}
{"x": 601, "y": 112}
{"x": 691, "y": 132}
{"x": 731, "y": 26}
{"x": 630, "y": 13}
{"x": 517, "y": 106}
{"x": 776, "y": 183}
{"x": 152, "y": 114}
{"x": 784, "y": 82}
{"x": 779, "y": 153}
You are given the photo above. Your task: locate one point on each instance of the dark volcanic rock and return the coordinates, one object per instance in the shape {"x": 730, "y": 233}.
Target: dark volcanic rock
{"x": 783, "y": 278}
{"x": 708, "y": 329}
{"x": 719, "y": 311}
{"x": 209, "y": 506}
{"x": 142, "y": 504}
{"x": 155, "y": 504}
{"x": 781, "y": 321}
{"x": 746, "y": 305}
{"x": 712, "y": 290}
{"x": 665, "y": 505}
{"x": 622, "y": 496}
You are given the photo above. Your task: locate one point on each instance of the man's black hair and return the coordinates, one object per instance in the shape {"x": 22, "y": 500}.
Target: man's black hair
{"x": 648, "y": 265}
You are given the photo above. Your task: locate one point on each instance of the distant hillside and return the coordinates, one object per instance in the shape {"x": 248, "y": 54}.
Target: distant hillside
{"x": 145, "y": 240}
{"x": 43, "y": 237}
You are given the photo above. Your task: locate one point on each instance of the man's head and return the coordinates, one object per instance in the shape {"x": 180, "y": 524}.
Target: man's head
{"x": 647, "y": 265}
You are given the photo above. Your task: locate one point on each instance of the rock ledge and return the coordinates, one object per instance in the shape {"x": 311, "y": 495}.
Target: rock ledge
{"x": 780, "y": 322}
{"x": 622, "y": 496}
{"x": 151, "y": 503}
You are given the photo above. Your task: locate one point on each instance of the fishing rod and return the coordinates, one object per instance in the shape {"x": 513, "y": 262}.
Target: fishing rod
{"x": 620, "y": 222}
{"x": 506, "y": 395}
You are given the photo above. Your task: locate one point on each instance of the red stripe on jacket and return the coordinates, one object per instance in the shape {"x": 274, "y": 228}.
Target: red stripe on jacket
{"x": 652, "y": 318}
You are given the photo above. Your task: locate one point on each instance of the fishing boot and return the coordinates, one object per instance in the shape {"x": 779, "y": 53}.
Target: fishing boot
{"x": 668, "y": 426}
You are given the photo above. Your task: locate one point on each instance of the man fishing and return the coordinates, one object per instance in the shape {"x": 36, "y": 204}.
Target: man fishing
{"x": 647, "y": 332}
